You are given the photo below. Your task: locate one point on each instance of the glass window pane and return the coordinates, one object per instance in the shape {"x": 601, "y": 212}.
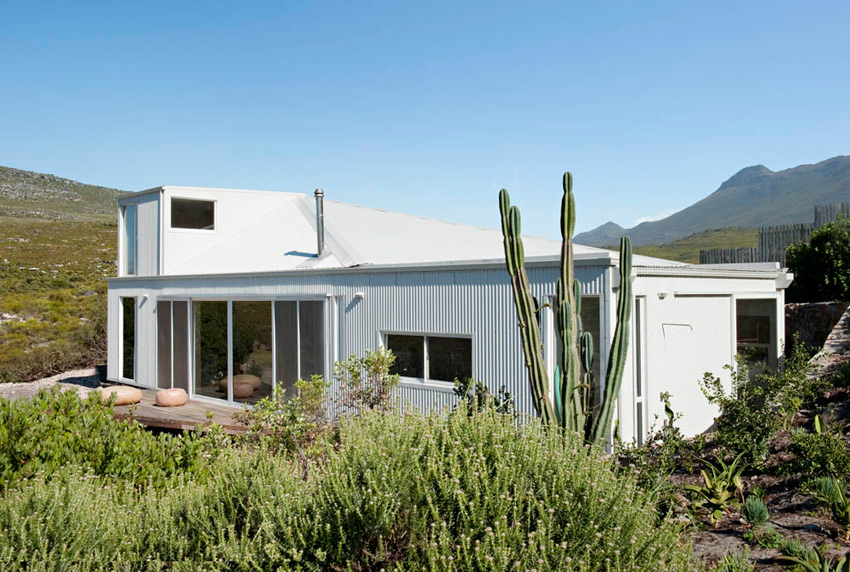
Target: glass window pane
{"x": 286, "y": 346}
{"x": 210, "y": 348}
{"x": 180, "y": 364}
{"x": 130, "y": 234}
{"x": 409, "y": 354}
{"x": 163, "y": 345}
{"x": 128, "y": 338}
{"x": 449, "y": 358}
{"x": 312, "y": 339}
{"x": 252, "y": 351}
{"x": 187, "y": 213}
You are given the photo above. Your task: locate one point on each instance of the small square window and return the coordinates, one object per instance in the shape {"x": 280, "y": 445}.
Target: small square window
{"x": 192, "y": 214}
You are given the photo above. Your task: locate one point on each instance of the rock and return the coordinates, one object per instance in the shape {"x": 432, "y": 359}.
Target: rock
{"x": 124, "y": 394}
{"x": 174, "y": 397}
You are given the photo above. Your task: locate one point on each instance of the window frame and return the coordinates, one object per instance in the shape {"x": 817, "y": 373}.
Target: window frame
{"x": 427, "y": 382}
{"x": 123, "y": 344}
{"x": 173, "y": 228}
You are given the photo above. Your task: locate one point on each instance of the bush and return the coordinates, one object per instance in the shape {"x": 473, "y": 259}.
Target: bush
{"x": 57, "y": 429}
{"x": 663, "y": 451}
{"x": 821, "y": 267}
{"x": 478, "y": 397}
{"x": 818, "y": 454}
{"x": 282, "y": 423}
{"x": 405, "y": 492}
{"x": 752, "y": 413}
{"x": 365, "y": 381}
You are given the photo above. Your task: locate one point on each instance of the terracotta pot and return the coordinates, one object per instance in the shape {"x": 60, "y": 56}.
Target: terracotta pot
{"x": 171, "y": 397}
{"x": 243, "y": 389}
{"x": 124, "y": 395}
{"x": 244, "y": 377}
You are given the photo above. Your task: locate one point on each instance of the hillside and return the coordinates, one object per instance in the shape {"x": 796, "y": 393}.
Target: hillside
{"x": 753, "y": 197}
{"x": 687, "y": 249}
{"x": 38, "y": 195}
{"x": 57, "y": 246}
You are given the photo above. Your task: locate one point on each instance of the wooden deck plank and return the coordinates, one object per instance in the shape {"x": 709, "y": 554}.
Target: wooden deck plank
{"x": 184, "y": 417}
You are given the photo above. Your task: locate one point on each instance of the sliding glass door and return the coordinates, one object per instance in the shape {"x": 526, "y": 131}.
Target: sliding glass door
{"x": 241, "y": 349}
{"x": 252, "y": 351}
{"x": 211, "y": 349}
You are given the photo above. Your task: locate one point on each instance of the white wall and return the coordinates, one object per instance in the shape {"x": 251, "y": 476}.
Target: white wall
{"x": 690, "y": 330}
{"x": 235, "y": 211}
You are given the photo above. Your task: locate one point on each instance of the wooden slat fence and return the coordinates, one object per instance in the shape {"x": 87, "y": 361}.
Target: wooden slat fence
{"x": 775, "y": 240}
{"x": 728, "y": 255}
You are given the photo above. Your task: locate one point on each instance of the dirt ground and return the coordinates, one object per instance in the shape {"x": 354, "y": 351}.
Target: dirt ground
{"x": 793, "y": 514}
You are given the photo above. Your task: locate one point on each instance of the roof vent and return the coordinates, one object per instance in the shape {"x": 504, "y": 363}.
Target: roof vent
{"x": 320, "y": 220}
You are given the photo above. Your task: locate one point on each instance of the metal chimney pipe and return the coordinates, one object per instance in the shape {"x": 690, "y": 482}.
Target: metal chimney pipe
{"x": 320, "y": 220}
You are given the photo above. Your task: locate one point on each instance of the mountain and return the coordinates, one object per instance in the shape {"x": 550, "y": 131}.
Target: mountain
{"x": 39, "y": 195}
{"x": 752, "y": 197}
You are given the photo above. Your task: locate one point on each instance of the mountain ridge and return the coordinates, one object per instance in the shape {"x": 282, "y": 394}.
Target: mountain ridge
{"x": 752, "y": 197}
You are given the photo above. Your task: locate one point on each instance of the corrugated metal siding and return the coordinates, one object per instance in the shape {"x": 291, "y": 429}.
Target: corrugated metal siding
{"x": 147, "y": 233}
{"x": 478, "y": 303}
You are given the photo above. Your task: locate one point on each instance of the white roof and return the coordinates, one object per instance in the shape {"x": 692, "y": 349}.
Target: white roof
{"x": 285, "y": 239}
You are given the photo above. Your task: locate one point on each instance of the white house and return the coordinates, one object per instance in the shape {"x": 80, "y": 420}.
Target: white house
{"x": 214, "y": 283}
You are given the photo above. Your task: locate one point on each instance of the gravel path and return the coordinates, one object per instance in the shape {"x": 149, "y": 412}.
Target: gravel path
{"x": 81, "y": 380}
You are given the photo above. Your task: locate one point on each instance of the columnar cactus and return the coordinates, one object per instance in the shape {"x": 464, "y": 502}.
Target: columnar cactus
{"x": 579, "y": 404}
{"x": 526, "y": 307}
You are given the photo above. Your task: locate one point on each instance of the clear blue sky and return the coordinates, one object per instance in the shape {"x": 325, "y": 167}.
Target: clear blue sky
{"x": 431, "y": 107}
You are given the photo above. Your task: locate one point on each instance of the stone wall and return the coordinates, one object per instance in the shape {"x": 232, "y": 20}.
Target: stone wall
{"x": 813, "y": 322}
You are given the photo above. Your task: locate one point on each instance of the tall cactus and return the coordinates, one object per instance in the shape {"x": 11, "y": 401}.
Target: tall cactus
{"x": 579, "y": 404}
{"x": 526, "y": 308}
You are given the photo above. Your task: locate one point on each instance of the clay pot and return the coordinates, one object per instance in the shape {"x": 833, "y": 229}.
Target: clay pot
{"x": 243, "y": 389}
{"x": 244, "y": 377}
{"x": 171, "y": 397}
{"x": 241, "y": 378}
{"x": 124, "y": 395}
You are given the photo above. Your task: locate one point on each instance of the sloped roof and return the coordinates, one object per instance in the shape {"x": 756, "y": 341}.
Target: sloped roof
{"x": 285, "y": 239}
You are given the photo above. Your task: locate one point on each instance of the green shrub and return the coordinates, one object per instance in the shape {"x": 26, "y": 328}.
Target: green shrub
{"x": 818, "y": 454}
{"x": 755, "y": 409}
{"x": 57, "y": 429}
{"x": 478, "y": 397}
{"x": 405, "y": 492}
{"x": 821, "y": 267}
{"x": 282, "y": 423}
{"x": 365, "y": 381}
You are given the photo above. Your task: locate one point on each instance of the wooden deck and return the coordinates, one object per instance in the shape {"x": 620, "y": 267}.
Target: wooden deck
{"x": 184, "y": 417}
